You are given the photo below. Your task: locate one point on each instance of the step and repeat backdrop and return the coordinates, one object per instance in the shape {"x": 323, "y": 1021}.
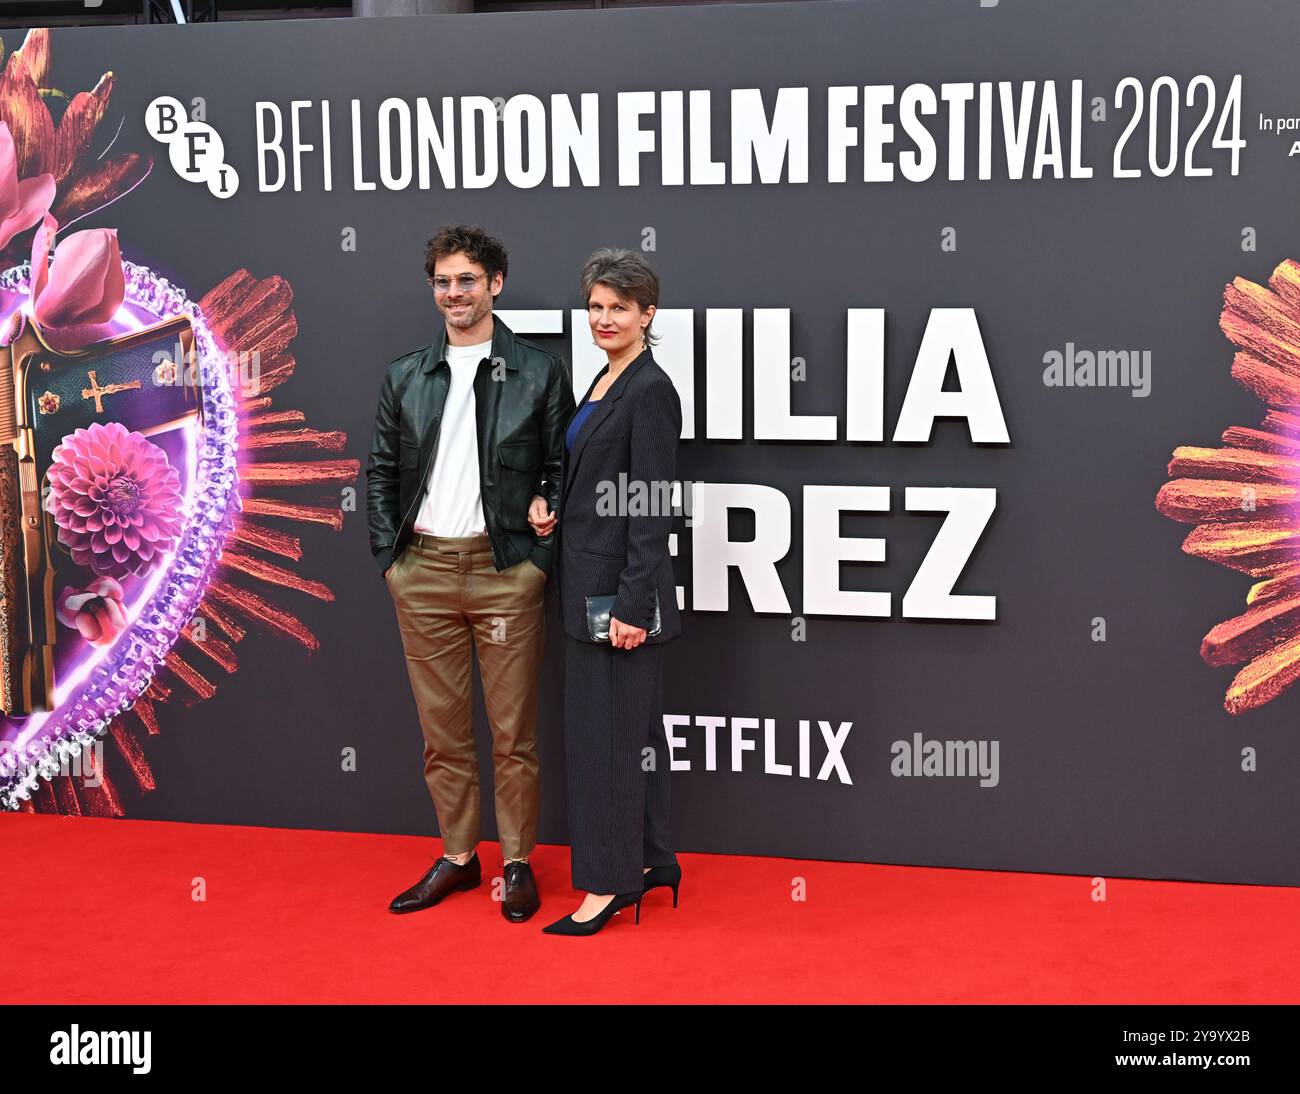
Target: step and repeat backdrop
{"x": 985, "y": 321}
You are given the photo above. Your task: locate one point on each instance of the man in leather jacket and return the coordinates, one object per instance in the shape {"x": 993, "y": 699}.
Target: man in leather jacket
{"x": 468, "y": 437}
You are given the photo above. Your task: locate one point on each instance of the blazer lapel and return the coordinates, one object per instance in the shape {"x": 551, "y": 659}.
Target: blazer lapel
{"x": 565, "y": 456}
{"x": 583, "y": 401}
{"x": 603, "y": 410}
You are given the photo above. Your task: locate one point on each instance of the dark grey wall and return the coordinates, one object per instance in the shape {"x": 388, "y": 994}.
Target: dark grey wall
{"x": 1116, "y": 758}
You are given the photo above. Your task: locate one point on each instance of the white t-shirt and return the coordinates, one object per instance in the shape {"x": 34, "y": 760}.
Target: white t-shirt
{"x": 452, "y": 505}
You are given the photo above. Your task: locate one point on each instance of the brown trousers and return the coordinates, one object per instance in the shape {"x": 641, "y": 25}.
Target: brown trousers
{"x": 451, "y": 600}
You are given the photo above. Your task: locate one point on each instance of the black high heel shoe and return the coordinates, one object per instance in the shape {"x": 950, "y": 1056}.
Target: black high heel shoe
{"x": 668, "y": 877}
{"x": 570, "y": 926}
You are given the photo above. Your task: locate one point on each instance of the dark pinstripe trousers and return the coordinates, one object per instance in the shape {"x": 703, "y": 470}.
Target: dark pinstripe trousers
{"x": 618, "y": 791}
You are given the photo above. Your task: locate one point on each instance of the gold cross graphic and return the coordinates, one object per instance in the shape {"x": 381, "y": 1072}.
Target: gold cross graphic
{"x": 97, "y": 393}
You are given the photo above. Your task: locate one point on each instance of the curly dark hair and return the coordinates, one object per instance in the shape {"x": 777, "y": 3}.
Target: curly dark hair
{"x": 488, "y": 251}
{"x": 628, "y": 274}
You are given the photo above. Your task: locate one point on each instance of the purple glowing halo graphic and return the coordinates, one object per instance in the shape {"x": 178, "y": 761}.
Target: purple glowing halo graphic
{"x": 103, "y": 682}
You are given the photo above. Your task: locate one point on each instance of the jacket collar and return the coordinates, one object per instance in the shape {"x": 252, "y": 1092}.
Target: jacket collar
{"x": 618, "y": 386}
{"x": 503, "y": 345}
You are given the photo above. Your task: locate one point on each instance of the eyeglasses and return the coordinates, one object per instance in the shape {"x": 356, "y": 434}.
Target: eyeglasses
{"x": 465, "y": 282}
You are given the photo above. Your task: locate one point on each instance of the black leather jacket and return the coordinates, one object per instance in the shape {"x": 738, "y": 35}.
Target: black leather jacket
{"x": 523, "y": 401}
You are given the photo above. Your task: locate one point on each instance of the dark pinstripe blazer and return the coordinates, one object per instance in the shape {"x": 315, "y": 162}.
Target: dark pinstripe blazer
{"x": 606, "y": 545}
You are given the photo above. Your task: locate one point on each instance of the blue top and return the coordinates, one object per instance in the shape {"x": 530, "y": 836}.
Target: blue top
{"x": 584, "y": 412}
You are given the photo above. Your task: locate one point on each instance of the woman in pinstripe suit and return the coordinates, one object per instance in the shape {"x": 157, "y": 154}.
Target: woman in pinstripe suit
{"x": 625, "y": 431}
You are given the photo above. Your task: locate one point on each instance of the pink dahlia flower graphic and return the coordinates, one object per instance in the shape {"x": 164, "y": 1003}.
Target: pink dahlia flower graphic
{"x": 115, "y": 498}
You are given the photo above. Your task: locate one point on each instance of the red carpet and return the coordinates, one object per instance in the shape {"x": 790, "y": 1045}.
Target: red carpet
{"x": 100, "y": 911}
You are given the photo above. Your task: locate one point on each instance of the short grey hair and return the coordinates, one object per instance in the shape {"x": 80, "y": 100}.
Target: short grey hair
{"x": 628, "y": 274}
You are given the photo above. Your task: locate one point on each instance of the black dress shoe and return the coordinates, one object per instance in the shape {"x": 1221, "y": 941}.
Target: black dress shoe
{"x": 521, "y": 899}
{"x": 669, "y": 877}
{"x": 570, "y": 926}
{"x": 445, "y": 877}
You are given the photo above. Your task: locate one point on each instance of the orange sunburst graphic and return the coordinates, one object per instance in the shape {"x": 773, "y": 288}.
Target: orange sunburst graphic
{"x": 290, "y": 474}
{"x": 1244, "y": 497}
